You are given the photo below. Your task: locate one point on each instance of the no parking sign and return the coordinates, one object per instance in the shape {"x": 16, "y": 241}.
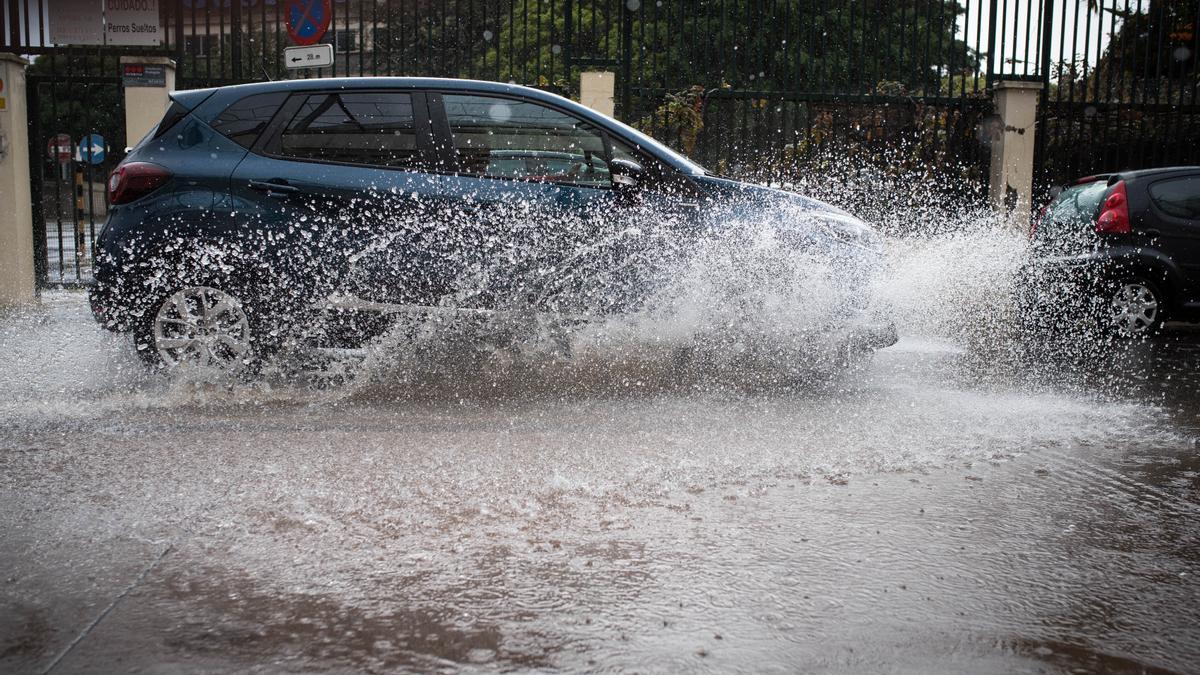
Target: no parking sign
{"x": 307, "y": 20}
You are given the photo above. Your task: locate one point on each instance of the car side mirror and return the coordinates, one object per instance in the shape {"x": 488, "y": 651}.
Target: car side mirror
{"x": 626, "y": 173}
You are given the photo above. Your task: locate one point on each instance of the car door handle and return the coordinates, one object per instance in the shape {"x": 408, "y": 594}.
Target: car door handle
{"x": 272, "y": 188}
{"x": 1152, "y": 232}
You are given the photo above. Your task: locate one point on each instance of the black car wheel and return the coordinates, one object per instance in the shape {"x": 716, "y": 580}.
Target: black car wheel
{"x": 1135, "y": 307}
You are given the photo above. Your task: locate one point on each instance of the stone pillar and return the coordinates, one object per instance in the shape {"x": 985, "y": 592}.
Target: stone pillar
{"x": 17, "y": 284}
{"x": 145, "y": 99}
{"x": 596, "y": 91}
{"x": 1011, "y": 176}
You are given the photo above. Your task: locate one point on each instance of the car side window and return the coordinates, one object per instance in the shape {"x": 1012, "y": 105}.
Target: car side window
{"x": 505, "y": 138}
{"x": 1178, "y": 197}
{"x": 244, "y": 120}
{"x": 372, "y": 128}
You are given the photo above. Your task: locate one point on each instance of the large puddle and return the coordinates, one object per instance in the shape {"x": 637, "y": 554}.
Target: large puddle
{"x": 968, "y": 501}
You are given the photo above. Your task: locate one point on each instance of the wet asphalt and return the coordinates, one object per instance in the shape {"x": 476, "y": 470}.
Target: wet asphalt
{"x": 952, "y": 507}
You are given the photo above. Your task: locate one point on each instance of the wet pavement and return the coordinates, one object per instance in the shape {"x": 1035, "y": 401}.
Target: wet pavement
{"x": 959, "y": 505}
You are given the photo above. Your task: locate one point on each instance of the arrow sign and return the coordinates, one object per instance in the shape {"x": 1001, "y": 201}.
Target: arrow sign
{"x": 312, "y": 56}
{"x": 91, "y": 149}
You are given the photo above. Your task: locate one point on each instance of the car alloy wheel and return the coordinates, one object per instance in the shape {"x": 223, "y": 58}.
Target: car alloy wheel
{"x": 202, "y": 326}
{"x": 1134, "y": 308}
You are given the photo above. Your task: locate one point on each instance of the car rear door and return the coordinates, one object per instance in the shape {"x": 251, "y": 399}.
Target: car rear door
{"x": 1175, "y": 214}
{"x": 339, "y": 184}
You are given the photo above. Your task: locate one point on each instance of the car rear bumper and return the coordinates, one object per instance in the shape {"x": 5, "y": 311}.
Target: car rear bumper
{"x": 1059, "y": 277}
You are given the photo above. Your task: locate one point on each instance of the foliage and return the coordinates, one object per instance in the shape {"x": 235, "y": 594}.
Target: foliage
{"x": 703, "y": 55}
{"x": 902, "y": 141}
{"x": 779, "y": 45}
{"x": 680, "y": 118}
{"x": 930, "y": 142}
{"x": 1096, "y": 120}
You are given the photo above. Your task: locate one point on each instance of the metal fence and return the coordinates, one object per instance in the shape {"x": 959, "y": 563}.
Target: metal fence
{"x": 1122, "y": 88}
{"x": 765, "y": 87}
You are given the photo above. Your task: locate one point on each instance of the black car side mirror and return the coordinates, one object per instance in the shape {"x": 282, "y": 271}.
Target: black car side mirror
{"x": 626, "y": 173}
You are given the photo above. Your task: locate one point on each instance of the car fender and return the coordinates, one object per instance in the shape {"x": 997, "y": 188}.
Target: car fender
{"x": 1149, "y": 263}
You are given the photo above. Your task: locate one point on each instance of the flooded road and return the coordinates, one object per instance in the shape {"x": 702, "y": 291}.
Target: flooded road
{"x": 959, "y": 505}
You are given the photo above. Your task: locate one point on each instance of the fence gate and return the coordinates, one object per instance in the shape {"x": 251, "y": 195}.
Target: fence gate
{"x": 1123, "y": 88}
{"x": 77, "y": 135}
{"x": 779, "y": 88}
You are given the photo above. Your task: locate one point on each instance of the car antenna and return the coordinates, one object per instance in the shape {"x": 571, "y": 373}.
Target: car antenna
{"x": 263, "y": 65}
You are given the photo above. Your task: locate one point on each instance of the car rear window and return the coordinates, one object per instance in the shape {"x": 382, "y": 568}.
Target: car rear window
{"x": 1179, "y": 197}
{"x": 175, "y": 112}
{"x": 243, "y": 121}
{"x": 372, "y": 128}
{"x": 1069, "y": 223}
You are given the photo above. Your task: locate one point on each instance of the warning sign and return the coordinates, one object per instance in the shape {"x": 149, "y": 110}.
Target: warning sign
{"x": 132, "y": 22}
{"x": 105, "y": 22}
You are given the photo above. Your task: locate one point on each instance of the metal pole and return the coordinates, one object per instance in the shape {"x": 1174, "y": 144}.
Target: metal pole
{"x": 235, "y": 34}
{"x": 991, "y": 53}
{"x": 568, "y": 38}
{"x": 626, "y": 58}
{"x": 14, "y": 25}
{"x": 178, "y": 10}
{"x": 1040, "y": 128}
{"x": 1048, "y": 23}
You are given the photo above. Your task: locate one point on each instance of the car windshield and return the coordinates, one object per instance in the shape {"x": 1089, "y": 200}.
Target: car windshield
{"x": 1069, "y": 224}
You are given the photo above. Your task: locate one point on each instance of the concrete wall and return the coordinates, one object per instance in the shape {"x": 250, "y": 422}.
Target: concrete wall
{"x": 596, "y": 91}
{"x": 17, "y": 284}
{"x": 1011, "y": 180}
{"x": 144, "y": 106}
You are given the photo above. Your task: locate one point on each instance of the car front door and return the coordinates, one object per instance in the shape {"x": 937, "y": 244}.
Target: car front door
{"x": 544, "y": 227}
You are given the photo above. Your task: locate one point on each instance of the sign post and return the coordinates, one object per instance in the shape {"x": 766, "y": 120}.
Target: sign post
{"x": 60, "y": 149}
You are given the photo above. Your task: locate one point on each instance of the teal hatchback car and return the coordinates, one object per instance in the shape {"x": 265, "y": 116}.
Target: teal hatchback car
{"x": 324, "y": 209}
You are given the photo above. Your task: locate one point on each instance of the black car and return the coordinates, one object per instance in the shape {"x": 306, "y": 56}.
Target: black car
{"x": 328, "y": 210}
{"x": 1122, "y": 247}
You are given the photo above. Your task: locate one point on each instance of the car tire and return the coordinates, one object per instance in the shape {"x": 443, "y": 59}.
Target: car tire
{"x": 1132, "y": 307}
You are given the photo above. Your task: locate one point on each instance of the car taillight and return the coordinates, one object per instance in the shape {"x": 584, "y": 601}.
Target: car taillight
{"x": 1114, "y": 215}
{"x": 1038, "y": 221}
{"x": 134, "y": 180}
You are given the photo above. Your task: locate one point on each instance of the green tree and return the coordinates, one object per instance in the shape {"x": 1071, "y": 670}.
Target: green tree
{"x": 1150, "y": 56}
{"x": 772, "y": 45}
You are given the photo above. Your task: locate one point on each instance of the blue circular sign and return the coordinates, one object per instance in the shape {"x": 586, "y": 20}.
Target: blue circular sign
{"x": 91, "y": 149}
{"x": 307, "y": 20}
